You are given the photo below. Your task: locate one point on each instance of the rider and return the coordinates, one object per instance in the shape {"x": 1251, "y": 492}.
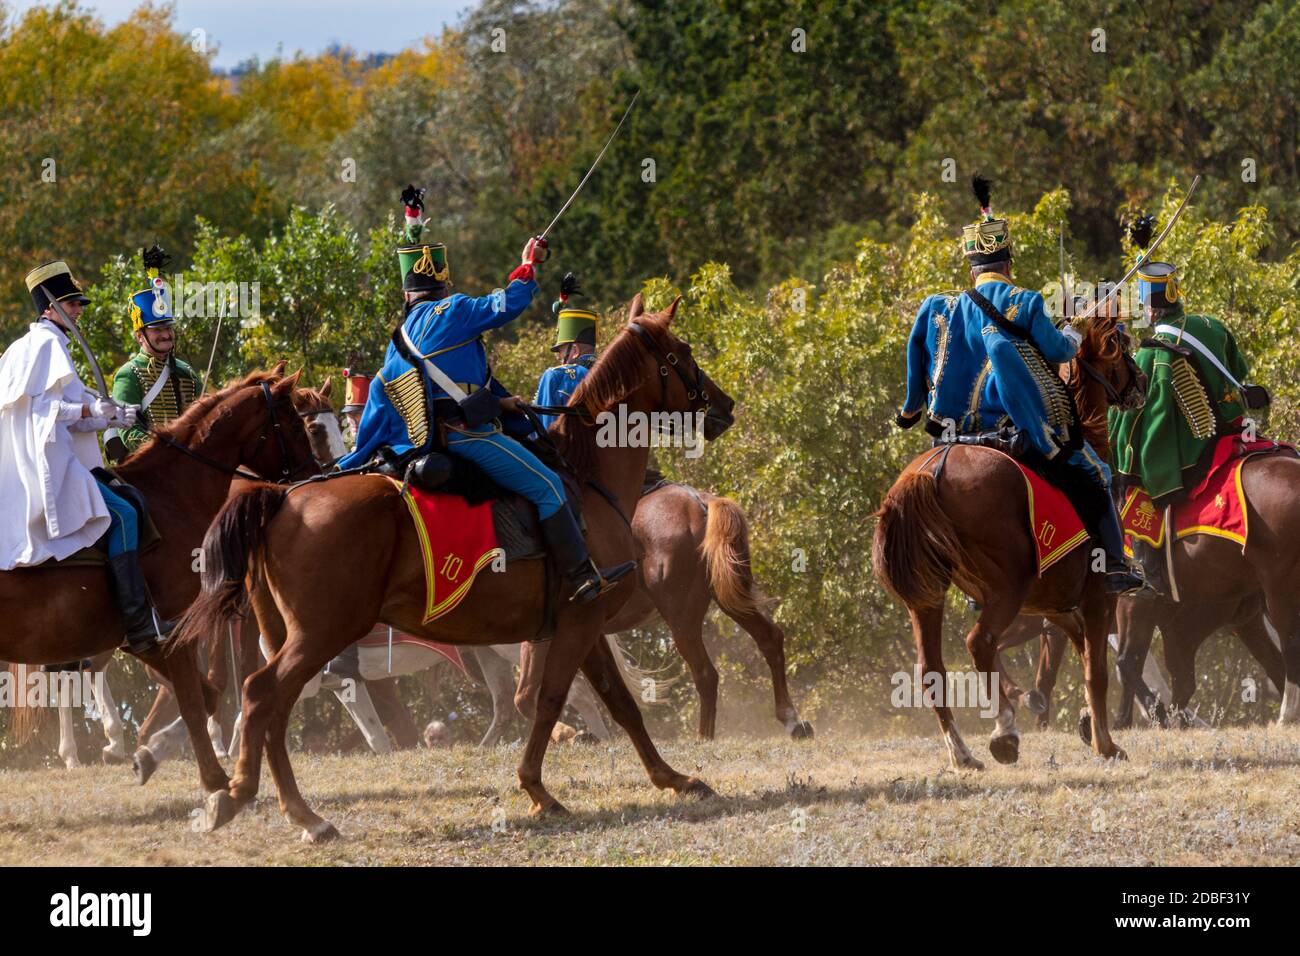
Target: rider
{"x": 446, "y": 329}
{"x": 1196, "y": 392}
{"x": 357, "y": 393}
{"x": 154, "y": 378}
{"x": 575, "y": 348}
{"x": 987, "y": 358}
{"x": 48, "y": 448}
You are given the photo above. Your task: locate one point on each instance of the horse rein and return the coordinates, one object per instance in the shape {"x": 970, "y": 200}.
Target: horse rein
{"x": 286, "y": 472}
{"x": 1113, "y": 395}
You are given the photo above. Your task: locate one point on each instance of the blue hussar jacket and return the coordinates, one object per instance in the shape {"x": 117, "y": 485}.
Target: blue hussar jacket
{"x": 447, "y": 332}
{"x": 977, "y": 376}
{"x": 557, "y": 383}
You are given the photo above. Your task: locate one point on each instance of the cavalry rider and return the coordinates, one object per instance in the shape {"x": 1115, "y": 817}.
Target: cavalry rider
{"x": 48, "y": 449}
{"x": 356, "y": 394}
{"x": 574, "y": 348}
{"x": 446, "y": 330}
{"x": 985, "y": 358}
{"x": 154, "y": 378}
{"x": 1196, "y": 392}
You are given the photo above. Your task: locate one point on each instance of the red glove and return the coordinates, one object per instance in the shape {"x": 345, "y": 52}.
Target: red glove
{"x": 535, "y": 253}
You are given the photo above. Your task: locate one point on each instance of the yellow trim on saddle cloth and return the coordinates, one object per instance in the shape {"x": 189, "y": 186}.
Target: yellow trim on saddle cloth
{"x": 1220, "y": 532}
{"x": 435, "y": 610}
{"x": 1061, "y": 550}
{"x": 1130, "y": 497}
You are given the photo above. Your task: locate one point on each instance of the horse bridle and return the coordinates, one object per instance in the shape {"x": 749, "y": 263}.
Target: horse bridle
{"x": 1113, "y": 395}
{"x": 286, "y": 470}
{"x": 696, "y": 393}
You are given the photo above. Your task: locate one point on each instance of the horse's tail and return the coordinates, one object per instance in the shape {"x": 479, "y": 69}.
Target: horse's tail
{"x": 916, "y": 549}
{"x": 643, "y": 684}
{"x": 726, "y": 555}
{"x": 231, "y": 550}
{"x": 26, "y": 720}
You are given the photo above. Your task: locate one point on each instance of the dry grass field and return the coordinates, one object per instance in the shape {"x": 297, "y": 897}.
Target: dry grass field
{"x": 1196, "y": 797}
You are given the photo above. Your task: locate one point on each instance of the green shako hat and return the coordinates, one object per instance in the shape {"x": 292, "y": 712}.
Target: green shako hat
{"x": 987, "y": 240}
{"x": 424, "y": 264}
{"x": 574, "y": 325}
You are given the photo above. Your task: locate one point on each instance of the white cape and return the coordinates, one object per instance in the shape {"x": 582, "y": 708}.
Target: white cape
{"x": 50, "y": 504}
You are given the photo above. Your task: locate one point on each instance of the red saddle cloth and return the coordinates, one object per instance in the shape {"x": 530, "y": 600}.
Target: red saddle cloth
{"x": 1216, "y": 506}
{"x": 381, "y": 634}
{"x": 1055, "y": 525}
{"x": 457, "y": 541}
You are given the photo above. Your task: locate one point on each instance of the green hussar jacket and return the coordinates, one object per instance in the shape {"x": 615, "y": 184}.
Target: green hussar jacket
{"x": 1165, "y": 445}
{"x": 134, "y": 379}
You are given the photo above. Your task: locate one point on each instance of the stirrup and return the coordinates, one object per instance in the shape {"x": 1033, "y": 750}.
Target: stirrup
{"x": 143, "y": 641}
{"x": 596, "y": 584}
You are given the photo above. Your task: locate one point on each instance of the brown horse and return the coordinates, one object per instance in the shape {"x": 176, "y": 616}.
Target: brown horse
{"x": 57, "y": 613}
{"x": 697, "y": 552}
{"x": 160, "y": 732}
{"x": 309, "y": 608}
{"x": 970, "y": 530}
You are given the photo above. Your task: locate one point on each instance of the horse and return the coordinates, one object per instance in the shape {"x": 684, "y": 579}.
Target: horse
{"x": 1184, "y": 626}
{"x": 317, "y": 414}
{"x": 308, "y": 609}
{"x": 969, "y": 529}
{"x": 60, "y": 613}
{"x": 162, "y": 733}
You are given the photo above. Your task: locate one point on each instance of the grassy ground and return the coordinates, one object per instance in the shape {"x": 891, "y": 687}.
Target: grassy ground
{"x": 1204, "y": 797}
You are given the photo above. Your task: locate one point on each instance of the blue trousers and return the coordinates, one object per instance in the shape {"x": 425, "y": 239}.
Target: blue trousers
{"x": 510, "y": 465}
{"x": 123, "y": 524}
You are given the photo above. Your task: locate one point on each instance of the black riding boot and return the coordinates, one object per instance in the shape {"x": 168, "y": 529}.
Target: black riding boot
{"x": 347, "y": 664}
{"x": 1120, "y": 578}
{"x": 1152, "y": 562}
{"x": 565, "y": 541}
{"x": 143, "y": 629}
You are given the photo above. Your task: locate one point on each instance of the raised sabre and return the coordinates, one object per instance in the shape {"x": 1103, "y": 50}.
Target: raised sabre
{"x": 1150, "y": 249}
{"x": 599, "y": 156}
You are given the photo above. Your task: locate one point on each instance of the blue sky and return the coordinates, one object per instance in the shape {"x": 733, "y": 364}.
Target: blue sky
{"x": 244, "y": 28}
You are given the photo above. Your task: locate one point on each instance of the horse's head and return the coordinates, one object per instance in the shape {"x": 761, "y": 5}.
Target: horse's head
{"x": 323, "y": 431}
{"x": 274, "y": 441}
{"x": 672, "y": 371}
{"x": 1105, "y": 357}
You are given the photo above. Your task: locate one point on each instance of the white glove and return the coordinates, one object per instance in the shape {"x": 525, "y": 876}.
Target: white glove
{"x": 104, "y": 408}
{"x": 127, "y": 415}
{"x": 1074, "y": 335}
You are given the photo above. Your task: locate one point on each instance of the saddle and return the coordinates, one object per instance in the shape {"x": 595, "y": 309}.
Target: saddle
{"x": 97, "y": 554}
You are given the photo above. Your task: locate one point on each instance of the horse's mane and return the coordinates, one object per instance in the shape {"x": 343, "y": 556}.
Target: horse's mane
{"x": 197, "y": 421}
{"x": 617, "y": 373}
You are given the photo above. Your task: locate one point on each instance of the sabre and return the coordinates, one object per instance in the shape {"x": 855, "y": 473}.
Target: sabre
{"x": 81, "y": 342}
{"x": 1150, "y": 249}
{"x": 113, "y": 443}
{"x": 599, "y": 156}
{"x": 1060, "y": 239}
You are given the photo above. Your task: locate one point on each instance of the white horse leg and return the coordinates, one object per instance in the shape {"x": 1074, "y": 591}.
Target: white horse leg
{"x": 166, "y": 742}
{"x": 362, "y": 710}
{"x": 234, "y": 733}
{"x": 583, "y": 699}
{"x": 114, "y": 729}
{"x": 214, "y": 734}
{"x": 67, "y": 737}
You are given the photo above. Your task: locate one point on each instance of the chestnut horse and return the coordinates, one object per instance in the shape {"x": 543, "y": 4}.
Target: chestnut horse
{"x": 309, "y": 607}
{"x": 970, "y": 529}
{"x": 697, "y": 553}
{"x": 57, "y": 613}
